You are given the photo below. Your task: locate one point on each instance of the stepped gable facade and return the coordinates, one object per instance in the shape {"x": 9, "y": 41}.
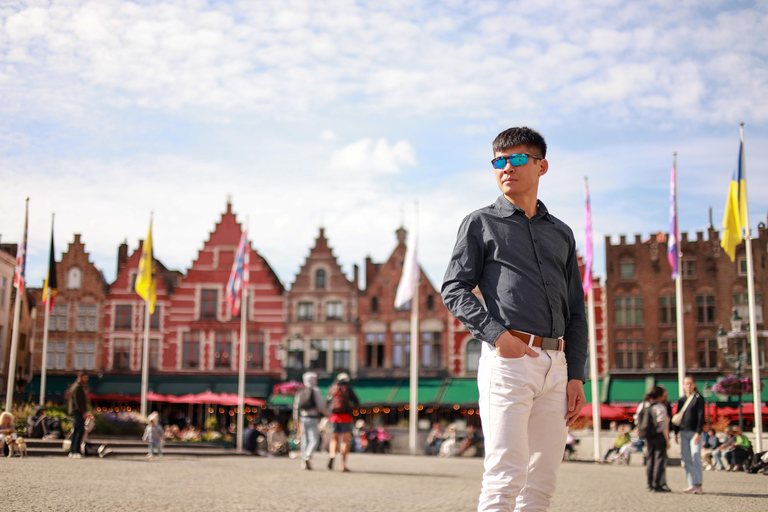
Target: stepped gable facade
{"x": 641, "y": 305}
{"x": 384, "y": 349}
{"x": 203, "y": 337}
{"x": 77, "y": 321}
{"x": 321, "y": 316}
{"x": 125, "y": 313}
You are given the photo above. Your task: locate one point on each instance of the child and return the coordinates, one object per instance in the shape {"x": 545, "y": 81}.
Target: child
{"x": 154, "y": 435}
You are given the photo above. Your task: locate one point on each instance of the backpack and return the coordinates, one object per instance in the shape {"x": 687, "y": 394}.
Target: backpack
{"x": 307, "y": 399}
{"x": 340, "y": 402}
{"x": 646, "y": 422}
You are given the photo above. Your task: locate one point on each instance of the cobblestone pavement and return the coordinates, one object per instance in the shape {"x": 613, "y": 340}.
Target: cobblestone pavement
{"x": 376, "y": 483}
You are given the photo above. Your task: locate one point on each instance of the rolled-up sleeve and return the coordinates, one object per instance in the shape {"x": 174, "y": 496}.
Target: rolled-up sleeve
{"x": 462, "y": 276}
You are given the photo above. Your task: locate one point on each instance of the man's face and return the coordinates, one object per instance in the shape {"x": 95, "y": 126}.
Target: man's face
{"x": 688, "y": 386}
{"x": 517, "y": 182}
{"x": 84, "y": 380}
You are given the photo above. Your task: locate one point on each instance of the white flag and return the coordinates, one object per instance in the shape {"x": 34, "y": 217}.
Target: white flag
{"x": 410, "y": 278}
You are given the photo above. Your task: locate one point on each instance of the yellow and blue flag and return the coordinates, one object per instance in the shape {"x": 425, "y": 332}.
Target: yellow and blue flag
{"x": 735, "y": 216}
{"x": 146, "y": 285}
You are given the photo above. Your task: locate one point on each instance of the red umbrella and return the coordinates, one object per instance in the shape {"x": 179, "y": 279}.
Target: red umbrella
{"x": 607, "y": 412}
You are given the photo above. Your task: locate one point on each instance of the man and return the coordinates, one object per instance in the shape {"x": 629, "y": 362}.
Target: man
{"x": 653, "y": 425}
{"x": 79, "y": 408}
{"x": 342, "y": 401}
{"x": 308, "y": 409}
{"x": 531, "y": 373}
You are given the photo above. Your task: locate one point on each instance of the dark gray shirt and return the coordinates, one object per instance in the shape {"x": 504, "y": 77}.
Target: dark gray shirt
{"x": 528, "y": 274}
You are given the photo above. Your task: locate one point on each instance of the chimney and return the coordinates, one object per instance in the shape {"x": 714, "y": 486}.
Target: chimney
{"x": 401, "y": 232}
{"x": 122, "y": 256}
{"x": 356, "y": 274}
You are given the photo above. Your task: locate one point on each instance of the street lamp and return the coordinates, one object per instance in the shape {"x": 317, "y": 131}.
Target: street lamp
{"x": 737, "y": 361}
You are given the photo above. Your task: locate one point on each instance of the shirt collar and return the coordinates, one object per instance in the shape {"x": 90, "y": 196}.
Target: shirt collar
{"x": 507, "y": 209}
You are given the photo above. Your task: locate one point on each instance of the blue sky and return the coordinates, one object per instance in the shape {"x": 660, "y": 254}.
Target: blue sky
{"x": 344, "y": 114}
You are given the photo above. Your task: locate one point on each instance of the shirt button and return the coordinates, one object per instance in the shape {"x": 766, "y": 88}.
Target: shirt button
{"x": 549, "y": 282}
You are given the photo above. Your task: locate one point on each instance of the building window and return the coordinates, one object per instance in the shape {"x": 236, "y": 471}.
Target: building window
{"x": 342, "y": 354}
{"x": 57, "y": 356}
{"x": 319, "y": 354}
{"x": 374, "y": 349}
{"x": 742, "y": 346}
{"x": 3, "y": 290}
{"x": 374, "y": 305}
{"x": 627, "y": 270}
{"x": 154, "y": 354}
{"x": 741, "y": 304}
{"x": 154, "y": 318}
{"x": 705, "y": 308}
{"x": 706, "y": 353}
{"x": 629, "y": 355}
{"x": 209, "y": 303}
{"x": 320, "y": 279}
{"x": 58, "y": 318}
{"x": 85, "y": 356}
{"x": 430, "y": 302}
{"x": 474, "y": 347}
{"x": 295, "y": 359}
{"x": 121, "y": 354}
{"x": 222, "y": 356}
{"x": 334, "y": 310}
{"x": 742, "y": 265}
{"x": 430, "y": 349}
{"x": 401, "y": 349}
{"x": 688, "y": 269}
{"x": 628, "y": 310}
{"x": 305, "y": 311}
{"x": 254, "y": 358}
{"x": 87, "y": 315}
{"x": 667, "y": 310}
{"x": 668, "y": 353}
{"x": 190, "y": 352}
{"x": 123, "y": 317}
{"x": 74, "y": 278}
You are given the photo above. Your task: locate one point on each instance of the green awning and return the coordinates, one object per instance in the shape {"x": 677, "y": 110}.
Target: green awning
{"x": 376, "y": 391}
{"x": 588, "y": 390}
{"x": 430, "y": 391}
{"x": 626, "y": 391}
{"x": 54, "y": 384}
{"x": 673, "y": 390}
{"x": 461, "y": 392}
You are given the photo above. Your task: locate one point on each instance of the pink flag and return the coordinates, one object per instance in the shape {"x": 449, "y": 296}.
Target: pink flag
{"x": 19, "y": 278}
{"x": 588, "y": 244}
{"x": 238, "y": 278}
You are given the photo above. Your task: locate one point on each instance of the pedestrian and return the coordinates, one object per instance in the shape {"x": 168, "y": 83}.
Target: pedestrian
{"x": 653, "y": 426}
{"x": 434, "y": 439}
{"x": 154, "y": 435}
{"x": 342, "y": 401}
{"x": 7, "y": 432}
{"x": 308, "y": 409}
{"x": 79, "y": 409}
{"x": 533, "y": 321}
{"x": 688, "y": 425}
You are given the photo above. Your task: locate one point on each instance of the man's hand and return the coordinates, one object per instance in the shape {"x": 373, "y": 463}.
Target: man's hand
{"x": 696, "y": 438}
{"x": 575, "y": 391}
{"x": 512, "y": 347}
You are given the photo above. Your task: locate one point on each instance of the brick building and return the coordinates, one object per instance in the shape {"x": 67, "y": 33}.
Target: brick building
{"x": 321, "y": 318}
{"x": 641, "y": 306}
{"x": 75, "y": 324}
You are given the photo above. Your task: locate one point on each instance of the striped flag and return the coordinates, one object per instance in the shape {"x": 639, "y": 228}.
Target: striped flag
{"x": 238, "y": 278}
{"x": 19, "y": 277}
{"x": 50, "y": 288}
{"x": 673, "y": 245}
{"x": 587, "y": 283}
{"x": 146, "y": 284}
{"x": 735, "y": 210}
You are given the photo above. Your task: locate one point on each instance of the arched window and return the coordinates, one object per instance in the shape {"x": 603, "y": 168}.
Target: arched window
{"x": 74, "y": 278}
{"x": 474, "y": 347}
{"x": 320, "y": 279}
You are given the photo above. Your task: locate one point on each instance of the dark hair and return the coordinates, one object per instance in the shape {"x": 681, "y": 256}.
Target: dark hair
{"x": 522, "y": 136}
{"x": 657, "y": 392}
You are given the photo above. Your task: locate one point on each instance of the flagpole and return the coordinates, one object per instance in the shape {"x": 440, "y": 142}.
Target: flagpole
{"x": 413, "y": 416}
{"x": 243, "y": 349}
{"x": 47, "y": 304}
{"x": 756, "y": 398}
{"x": 679, "y": 292}
{"x": 16, "y": 317}
{"x": 593, "y": 374}
{"x": 147, "y": 318}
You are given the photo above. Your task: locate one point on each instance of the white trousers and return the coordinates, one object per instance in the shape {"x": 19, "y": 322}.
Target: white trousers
{"x": 522, "y": 408}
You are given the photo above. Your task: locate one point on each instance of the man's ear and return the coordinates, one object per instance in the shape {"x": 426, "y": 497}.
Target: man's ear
{"x": 543, "y": 167}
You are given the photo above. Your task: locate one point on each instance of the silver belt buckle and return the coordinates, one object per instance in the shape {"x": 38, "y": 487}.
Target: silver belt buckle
{"x": 550, "y": 343}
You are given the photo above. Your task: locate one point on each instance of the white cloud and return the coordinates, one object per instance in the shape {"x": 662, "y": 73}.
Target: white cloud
{"x": 369, "y": 156}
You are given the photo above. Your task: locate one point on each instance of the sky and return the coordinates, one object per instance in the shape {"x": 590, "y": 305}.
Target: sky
{"x": 353, "y": 115}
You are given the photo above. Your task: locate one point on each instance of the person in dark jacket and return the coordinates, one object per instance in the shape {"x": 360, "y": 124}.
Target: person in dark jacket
{"x": 688, "y": 431}
{"x": 79, "y": 408}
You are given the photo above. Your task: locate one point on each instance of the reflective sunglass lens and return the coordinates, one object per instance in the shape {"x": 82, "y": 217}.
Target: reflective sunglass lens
{"x": 519, "y": 159}
{"x": 499, "y": 163}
